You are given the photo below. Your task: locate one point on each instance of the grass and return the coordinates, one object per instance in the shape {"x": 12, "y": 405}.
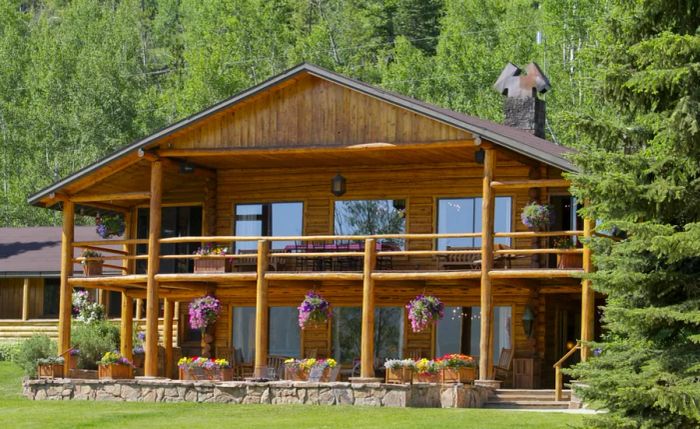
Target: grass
{"x": 17, "y": 412}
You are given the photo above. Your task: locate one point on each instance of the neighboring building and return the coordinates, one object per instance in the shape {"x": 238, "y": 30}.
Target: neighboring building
{"x": 305, "y": 155}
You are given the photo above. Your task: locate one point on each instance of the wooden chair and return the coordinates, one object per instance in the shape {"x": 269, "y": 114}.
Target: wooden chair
{"x": 417, "y": 354}
{"x": 503, "y": 370}
{"x": 450, "y": 262}
{"x": 310, "y": 353}
{"x": 251, "y": 264}
{"x": 276, "y": 363}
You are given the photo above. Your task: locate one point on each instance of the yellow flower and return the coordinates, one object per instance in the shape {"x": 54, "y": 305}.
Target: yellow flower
{"x": 331, "y": 362}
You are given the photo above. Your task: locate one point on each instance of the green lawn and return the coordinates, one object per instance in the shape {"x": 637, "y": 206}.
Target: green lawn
{"x": 17, "y": 412}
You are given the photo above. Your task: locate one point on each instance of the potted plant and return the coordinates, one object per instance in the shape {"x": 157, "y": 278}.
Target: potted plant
{"x": 327, "y": 365}
{"x": 50, "y": 367}
{"x": 457, "y": 368}
{"x": 109, "y": 226}
{"x": 423, "y": 310}
{"x": 567, "y": 260}
{"x": 427, "y": 371}
{"x": 138, "y": 350}
{"x": 296, "y": 370}
{"x": 211, "y": 259}
{"x": 115, "y": 366}
{"x": 537, "y": 217}
{"x": 73, "y": 357}
{"x": 399, "y": 371}
{"x": 92, "y": 263}
{"x": 314, "y": 309}
{"x": 200, "y": 368}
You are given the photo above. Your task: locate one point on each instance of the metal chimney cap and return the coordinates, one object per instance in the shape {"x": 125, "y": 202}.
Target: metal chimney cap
{"x": 512, "y": 83}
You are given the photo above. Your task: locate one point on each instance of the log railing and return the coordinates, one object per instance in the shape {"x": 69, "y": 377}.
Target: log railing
{"x": 558, "y": 379}
{"x": 114, "y": 254}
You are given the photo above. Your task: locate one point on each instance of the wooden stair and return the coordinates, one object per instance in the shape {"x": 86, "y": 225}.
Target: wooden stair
{"x": 527, "y": 399}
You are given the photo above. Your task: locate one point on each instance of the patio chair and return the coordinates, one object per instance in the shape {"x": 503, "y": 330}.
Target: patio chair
{"x": 470, "y": 261}
{"x": 417, "y": 354}
{"x": 275, "y": 367}
{"x": 503, "y": 370}
{"x": 310, "y": 353}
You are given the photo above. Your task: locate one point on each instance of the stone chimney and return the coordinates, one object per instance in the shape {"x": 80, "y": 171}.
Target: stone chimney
{"x": 522, "y": 107}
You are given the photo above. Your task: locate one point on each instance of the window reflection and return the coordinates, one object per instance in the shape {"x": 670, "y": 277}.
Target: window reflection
{"x": 460, "y": 331}
{"x": 268, "y": 220}
{"x": 463, "y": 215}
{"x": 347, "y": 332}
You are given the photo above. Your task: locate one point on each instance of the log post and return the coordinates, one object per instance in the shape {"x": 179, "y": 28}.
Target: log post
{"x": 25, "y": 299}
{"x": 126, "y": 328}
{"x": 261, "y": 310}
{"x": 587, "y": 293}
{"x": 139, "y": 309}
{"x": 367, "y": 344}
{"x": 487, "y": 222}
{"x": 66, "y": 298}
{"x": 152, "y": 304}
{"x": 168, "y": 336}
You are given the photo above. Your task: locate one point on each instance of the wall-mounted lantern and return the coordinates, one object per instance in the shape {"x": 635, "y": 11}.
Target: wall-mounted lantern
{"x": 528, "y": 321}
{"x": 338, "y": 185}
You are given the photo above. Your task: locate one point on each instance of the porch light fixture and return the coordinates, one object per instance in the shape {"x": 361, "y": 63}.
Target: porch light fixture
{"x": 479, "y": 156}
{"x": 338, "y": 185}
{"x": 186, "y": 168}
{"x": 528, "y": 321}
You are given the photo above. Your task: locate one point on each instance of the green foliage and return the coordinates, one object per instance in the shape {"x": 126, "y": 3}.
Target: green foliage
{"x": 94, "y": 340}
{"x": 38, "y": 346}
{"x": 640, "y": 174}
{"x": 8, "y": 351}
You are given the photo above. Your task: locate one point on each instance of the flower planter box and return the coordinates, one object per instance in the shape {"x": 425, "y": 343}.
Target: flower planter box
{"x": 139, "y": 359}
{"x": 50, "y": 371}
{"x": 85, "y": 374}
{"x": 72, "y": 362}
{"x": 399, "y": 376}
{"x": 201, "y": 374}
{"x": 569, "y": 260}
{"x": 458, "y": 375}
{"x": 92, "y": 268}
{"x": 426, "y": 377}
{"x": 115, "y": 372}
{"x": 295, "y": 374}
{"x": 209, "y": 265}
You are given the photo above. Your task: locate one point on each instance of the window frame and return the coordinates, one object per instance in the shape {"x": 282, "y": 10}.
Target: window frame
{"x": 436, "y": 204}
{"x": 267, "y": 213}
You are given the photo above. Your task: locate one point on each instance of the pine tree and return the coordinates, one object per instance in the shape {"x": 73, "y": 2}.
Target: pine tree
{"x": 640, "y": 165}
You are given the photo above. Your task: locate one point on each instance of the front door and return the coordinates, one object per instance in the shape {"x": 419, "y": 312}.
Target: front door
{"x": 563, "y": 328}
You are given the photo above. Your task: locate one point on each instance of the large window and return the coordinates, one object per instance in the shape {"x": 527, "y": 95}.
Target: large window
{"x": 269, "y": 220}
{"x": 244, "y": 332}
{"x": 369, "y": 217}
{"x": 460, "y": 331}
{"x": 347, "y": 332}
{"x": 463, "y": 215}
{"x": 181, "y": 221}
{"x": 285, "y": 334}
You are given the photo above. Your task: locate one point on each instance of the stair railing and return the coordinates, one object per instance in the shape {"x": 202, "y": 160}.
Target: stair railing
{"x": 558, "y": 379}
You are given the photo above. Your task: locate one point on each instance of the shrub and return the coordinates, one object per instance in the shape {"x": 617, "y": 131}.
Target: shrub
{"x": 94, "y": 340}
{"x": 8, "y": 351}
{"x": 39, "y": 346}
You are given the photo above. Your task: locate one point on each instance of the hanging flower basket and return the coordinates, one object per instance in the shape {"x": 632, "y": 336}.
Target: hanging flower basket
{"x": 109, "y": 226}
{"x": 203, "y": 312}
{"x": 423, "y": 310}
{"x": 314, "y": 309}
{"x": 537, "y": 217}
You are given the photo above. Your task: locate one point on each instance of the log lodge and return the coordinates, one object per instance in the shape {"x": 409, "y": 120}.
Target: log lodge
{"x": 315, "y": 181}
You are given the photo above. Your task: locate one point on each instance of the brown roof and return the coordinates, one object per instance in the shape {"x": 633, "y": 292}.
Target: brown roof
{"x": 511, "y": 138}
{"x": 36, "y": 251}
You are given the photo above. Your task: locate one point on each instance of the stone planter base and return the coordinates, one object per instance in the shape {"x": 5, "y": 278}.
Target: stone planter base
{"x": 276, "y": 392}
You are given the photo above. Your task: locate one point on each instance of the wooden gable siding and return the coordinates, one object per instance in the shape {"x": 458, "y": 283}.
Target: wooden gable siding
{"x": 11, "y": 297}
{"x": 312, "y": 112}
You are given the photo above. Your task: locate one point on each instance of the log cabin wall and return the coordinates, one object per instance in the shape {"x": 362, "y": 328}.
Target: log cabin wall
{"x": 11, "y": 290}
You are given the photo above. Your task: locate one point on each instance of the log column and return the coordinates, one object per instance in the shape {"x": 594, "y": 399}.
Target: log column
{"x": 487, "y": 221}
{"x": 126, "y": 329}
{"x": 25, "y": 299}
{"x": 152, "y": 307}
{"x": 261, "y": 310}
{"x": 587, "y": 293}
{"x": 367, "y": 344}
{"x": 168, "y": 336}
{"x": 65, "y": 303}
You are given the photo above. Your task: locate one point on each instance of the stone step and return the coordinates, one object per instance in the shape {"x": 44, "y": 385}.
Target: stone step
{"x": 523, "y": 405}
{"x": 513, "y": 394}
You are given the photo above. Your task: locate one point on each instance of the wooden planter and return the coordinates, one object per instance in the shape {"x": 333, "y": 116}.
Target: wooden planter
{"x": 50, "y": 371}
{"x": 426, "y": 377}
{"x": 115, "y": 372}
{"x": 200, "y": 374}
{"x": 458, "y": 375}
{"x": 399, "y": 376}
{"x": 295, "y": 374}
{"x": 72, "y": 361}
{"x": 139, "y": 359}
{"x": 92, "y": 267}
{"x": 86, "y": 374}
{"x": 569, "y": 260}
{"x": 209, "y": 265}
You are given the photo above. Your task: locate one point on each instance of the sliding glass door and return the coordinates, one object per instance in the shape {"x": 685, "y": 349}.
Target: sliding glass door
{"x": 460, "y": 331}
{"x": 463, "y": 215}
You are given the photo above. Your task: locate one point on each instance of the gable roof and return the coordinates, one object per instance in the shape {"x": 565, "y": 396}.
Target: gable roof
{"x": 507, "y": 137}
{"x": 36, "y": 251}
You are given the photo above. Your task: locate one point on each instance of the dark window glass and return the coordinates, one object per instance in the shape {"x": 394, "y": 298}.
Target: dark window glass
{"x": 268, "y": 220}
{"x": 175, "y": 222}
{"x": 52, "y": 290}
{"x": 347, "y": 330}
{"x": 460, "y": 331}
{"x": 463, "y": 215}
{"x": 115, "y": 304}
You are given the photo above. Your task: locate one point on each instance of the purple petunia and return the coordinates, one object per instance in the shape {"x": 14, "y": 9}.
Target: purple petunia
{"x": 314, "y": 308}
{"x": 204, "y": 312}
{"x": 423, "y": 310}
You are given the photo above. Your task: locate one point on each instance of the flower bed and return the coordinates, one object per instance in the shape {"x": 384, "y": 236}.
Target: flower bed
{"x": 199, "y": 368}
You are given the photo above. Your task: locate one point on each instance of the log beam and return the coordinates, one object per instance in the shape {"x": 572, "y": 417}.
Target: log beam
{"x": 487, "y": 236}
{"x": 66, "y": 292}
{"x": 261, "y": 310}
{"x": 587, "y": 293}
{"x": 110, "y": 197}
{"x": 368, "y": 296}
{"x": 527, "y": 184}
{"x": 152, "y": 299}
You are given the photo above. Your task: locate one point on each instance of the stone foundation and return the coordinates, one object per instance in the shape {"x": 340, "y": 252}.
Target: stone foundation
{"x": 276, "y": 392}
